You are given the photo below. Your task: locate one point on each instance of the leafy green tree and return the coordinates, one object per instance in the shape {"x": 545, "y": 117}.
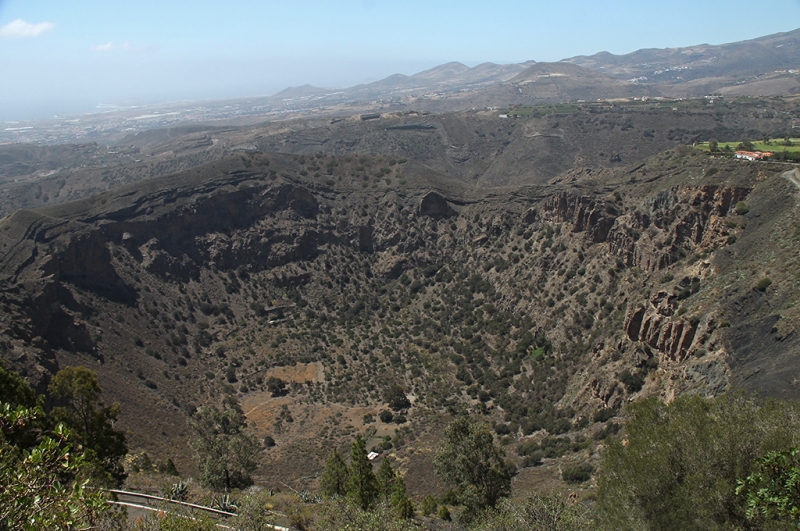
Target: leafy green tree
{"x": 14, "y": 390}
{"x": 386, "y": 479}
{"x": 772, "y": 491}
{"x": 334, "y": 475}
{"x": 679, "y": 466}
{"x": 39, "y": 488}
{"x": 396, "y": 397}
{"x": 745, "y": 145}
{"x": 362, "y": 485}
{"x": 276, "y": 386}
{"x": 227, "y": 451}
{"x": 474, "y": 464}
{"x": 91, "y": 422}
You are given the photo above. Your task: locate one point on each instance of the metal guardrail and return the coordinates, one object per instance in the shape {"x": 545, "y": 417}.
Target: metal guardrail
{"x": 148, "y": 497}
{"x": 156, "y": 509}
{"x": 139, "y": 495}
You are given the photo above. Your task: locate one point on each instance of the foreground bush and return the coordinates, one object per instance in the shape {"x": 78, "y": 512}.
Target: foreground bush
{"x": 174, "y": 521}
{"x": 344, "y": 514}
{"x": 679, "y": 465}
{"x": 550, "y": 512}
{"x": 41, "y": 487}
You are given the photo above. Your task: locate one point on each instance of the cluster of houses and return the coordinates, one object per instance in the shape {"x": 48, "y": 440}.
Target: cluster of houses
{"x": 752, "y": 155}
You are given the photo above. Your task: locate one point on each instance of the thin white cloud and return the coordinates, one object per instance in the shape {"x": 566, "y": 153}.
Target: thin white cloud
{"x": 103, "y": 47}
{"x": 125, "y": 47}
{"x": 19, "y": 29}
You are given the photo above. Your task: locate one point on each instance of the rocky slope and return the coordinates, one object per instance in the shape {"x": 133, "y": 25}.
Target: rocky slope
{"x": 534, "y": 305}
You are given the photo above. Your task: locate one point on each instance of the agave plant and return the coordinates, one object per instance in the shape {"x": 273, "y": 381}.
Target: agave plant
{"x": 309, "y": 497}
{"x": 179, "y": 491}
{"x": 224, "y": 503}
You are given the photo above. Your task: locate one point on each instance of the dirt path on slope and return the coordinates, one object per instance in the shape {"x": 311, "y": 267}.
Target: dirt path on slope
{"x": 793, "y": 176}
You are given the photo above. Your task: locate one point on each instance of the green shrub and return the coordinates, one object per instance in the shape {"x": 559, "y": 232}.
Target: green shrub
{"x": 428, "y": 505}
{"x": 763, "y": 284}
{"x": 533, "y": 459}
{"x": 173, "y": 521}
{"x": 577, "y": 474}
{"x": 741, "y": 208}
{"x": 502, "y": 429}
{"x": 633, "y": 381}
{"x": 602, "y": 415}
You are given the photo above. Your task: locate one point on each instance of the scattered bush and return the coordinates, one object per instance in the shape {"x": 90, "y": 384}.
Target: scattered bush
{"x": 633, "y": 382}
{"x": 602, "y": 415}
{"x": 763, "y": 284}
{"x": 428, "y": 505}
{"x": 502, "y": 429}
{"x": 741, "y": 208}
{"x": 534, "y": 459}
{"x": 577, "y": 474}
{"x": 276, "y": 386}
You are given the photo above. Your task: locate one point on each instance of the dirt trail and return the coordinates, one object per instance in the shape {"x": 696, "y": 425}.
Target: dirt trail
{"x": 793, "y": 176}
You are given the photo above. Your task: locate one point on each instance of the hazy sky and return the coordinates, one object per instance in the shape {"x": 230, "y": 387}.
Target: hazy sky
{"x": 60, "y": 56}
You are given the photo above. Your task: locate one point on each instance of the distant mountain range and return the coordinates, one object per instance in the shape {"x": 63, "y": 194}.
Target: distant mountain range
{"x": 764, "y": 66}
{"x": 448, "y": 77}
{"x": 742, "y": 67}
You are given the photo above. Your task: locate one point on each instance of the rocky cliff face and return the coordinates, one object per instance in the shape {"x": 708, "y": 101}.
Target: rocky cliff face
{"x": 586, "y": 215}
{"x": 674, "y": 222}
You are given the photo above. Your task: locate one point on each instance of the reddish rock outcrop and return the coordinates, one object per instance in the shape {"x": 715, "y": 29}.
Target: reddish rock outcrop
{"x": 586, "y": 215}
{"x": 672, "y": 224}
{"x": 657, "y": 326}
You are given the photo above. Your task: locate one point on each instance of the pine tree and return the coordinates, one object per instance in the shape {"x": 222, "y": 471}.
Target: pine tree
{"x": 386, "y": 479}
{"x": 362, "y": 485}
{"x": 334, "y": 475}
{"x": 401, "y": 503}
